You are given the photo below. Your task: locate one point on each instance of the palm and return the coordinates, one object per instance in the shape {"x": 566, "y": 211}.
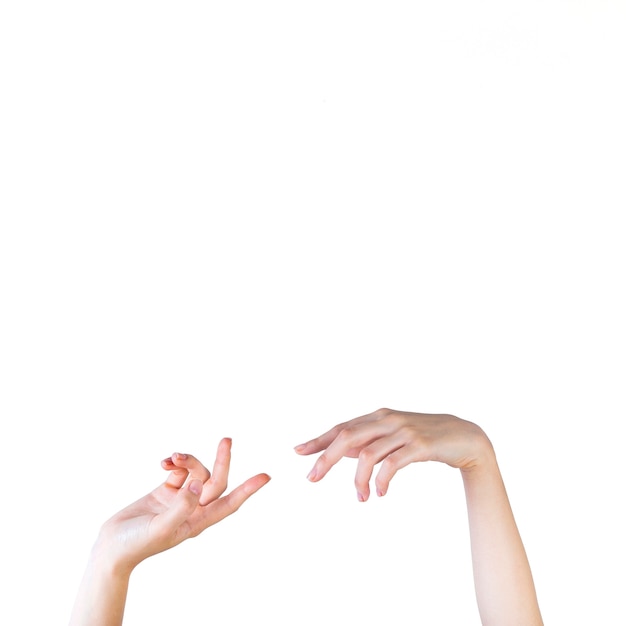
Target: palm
{"x": 131, "y": 526}
{"x": 171, "y": 513}
{"x": 139, "y": 515}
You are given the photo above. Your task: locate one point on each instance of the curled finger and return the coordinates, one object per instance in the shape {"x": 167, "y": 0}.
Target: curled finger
{"x": 391, "y": 465}
{"x": 369, "y": 456}
{"x": 183, "y": 466}
{"x": 354, "y": 437}
{"x": 177, "y": 475}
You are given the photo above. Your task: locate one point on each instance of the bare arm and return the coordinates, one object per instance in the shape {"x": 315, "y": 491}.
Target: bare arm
{"x": 505, "y": 590}
{"x": 102, "y": 594}
{"x": 504, "y": 586}
{"x": 186, "y": 504}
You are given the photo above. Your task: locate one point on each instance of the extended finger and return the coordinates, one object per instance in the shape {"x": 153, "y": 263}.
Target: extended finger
{"x": 323, "y": 441}
{"x": 227, "y": 505}
{"x": 218, "y": 482}
{"x": 357, "y": 435}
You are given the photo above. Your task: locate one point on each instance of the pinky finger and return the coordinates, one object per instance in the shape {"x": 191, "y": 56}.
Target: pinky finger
{"x": 177, "y": 476}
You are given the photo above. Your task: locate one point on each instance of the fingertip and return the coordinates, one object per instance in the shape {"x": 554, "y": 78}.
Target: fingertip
{"x": 263, "y": 479}
{"x": 381, "y": 486}
{"x": 226, "y": 443}
{"x": 252, "y": 485}
{"x": 300, "y": 448}
{"x": 178, "y": 458}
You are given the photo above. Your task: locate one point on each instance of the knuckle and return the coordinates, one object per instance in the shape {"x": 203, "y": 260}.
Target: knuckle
{"x": 346, "y": 434}
{"x": 361, "y": 484}
{"x": 407, "y": 431}
{"x": 391, "y": 463}
{"x": 333, "y": 433}
{"x": 366, "y": 455}
{"x": 420, "y": 448}
{"x": 382, "y": 413}
{"x": 234, "y": 504}
{"x": 323, "y": 460}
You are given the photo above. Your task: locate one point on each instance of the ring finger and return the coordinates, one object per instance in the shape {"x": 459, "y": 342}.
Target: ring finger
{"x": 369, "y": 456}
{"x": 182, "y": 466}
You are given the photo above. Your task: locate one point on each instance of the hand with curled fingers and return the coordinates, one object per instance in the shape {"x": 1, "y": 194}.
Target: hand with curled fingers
{"x": 190, "y": 500}
{"x": 503, "y": 581}
{"x": 395, "y": 439}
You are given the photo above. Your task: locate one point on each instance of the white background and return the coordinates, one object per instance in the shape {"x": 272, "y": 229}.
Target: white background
{"x": 258, "y": 219}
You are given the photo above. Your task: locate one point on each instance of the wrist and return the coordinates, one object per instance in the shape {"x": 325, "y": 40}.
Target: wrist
{"x": 484, "y": 460}
{"x": 104, "y": 560}
{"x": 102, "y": 594}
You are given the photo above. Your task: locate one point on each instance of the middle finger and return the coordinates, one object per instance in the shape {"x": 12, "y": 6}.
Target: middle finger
{"x": 216, "y": 486}
{"x": 354, "y": 436}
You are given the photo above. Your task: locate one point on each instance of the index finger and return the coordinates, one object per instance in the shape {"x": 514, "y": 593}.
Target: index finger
{"x": 355, "y": 435}
{"x": 226, "y": 505}
{"x": 323, "y": 441}
{"x": 320, "y": 443}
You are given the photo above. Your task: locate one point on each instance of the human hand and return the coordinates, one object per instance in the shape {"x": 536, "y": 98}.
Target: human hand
{"x": 397, "y": 438}
{"x": 189, "y": 501}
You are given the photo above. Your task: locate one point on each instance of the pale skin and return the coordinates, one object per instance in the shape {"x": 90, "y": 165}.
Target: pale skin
{"x": 189, "y": 501}
{"x": 505, "y": 590}
{"x": 192, "y": 498}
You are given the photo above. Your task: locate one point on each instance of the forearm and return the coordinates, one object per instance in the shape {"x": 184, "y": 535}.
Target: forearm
{"x": 102, "y": 594}
{"x": 505, "y": 589}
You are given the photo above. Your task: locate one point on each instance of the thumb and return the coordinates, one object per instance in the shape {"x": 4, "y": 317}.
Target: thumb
{"x": 181, "y": 508}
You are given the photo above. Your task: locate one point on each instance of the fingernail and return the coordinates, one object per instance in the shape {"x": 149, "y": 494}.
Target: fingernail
{"x": 180, "y": 456}
{"x": 360, "y": 496}
{"x": 312, "y": 474}
{"x": 195, "y": 486}
{"x": 300, "y": 447}
{"x": 380, "y": 493}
